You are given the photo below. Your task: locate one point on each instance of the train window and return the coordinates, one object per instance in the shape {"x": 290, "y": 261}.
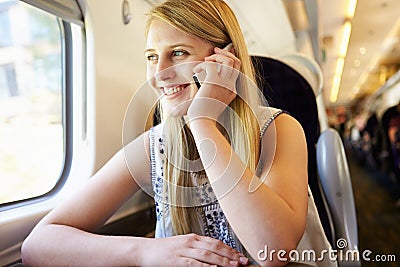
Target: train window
{"x": 34, "y": 148}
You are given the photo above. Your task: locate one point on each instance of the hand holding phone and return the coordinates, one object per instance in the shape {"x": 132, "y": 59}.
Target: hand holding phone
{"x": 196, "y": 78}
{"x": 219, "y": 72}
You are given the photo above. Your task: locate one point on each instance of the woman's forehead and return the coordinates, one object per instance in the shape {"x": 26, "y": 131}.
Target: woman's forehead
{"x": 163, "y": 33}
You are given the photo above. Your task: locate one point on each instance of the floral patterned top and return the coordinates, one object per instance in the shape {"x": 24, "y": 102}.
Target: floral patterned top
{"x": 211, "y": 215}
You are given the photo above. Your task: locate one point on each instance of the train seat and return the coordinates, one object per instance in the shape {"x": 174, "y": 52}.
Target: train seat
{"x": 278, "y": 81}
{"x": 336, "y": 183}
{"x": 300, "y": 78}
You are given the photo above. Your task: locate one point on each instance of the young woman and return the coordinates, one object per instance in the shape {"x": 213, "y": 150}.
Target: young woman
{"x": 229, "y": 177}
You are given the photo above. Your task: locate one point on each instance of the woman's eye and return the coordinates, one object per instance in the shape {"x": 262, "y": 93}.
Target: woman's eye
{"x": 151, "y": 57}
{"x": 178, "y": 53}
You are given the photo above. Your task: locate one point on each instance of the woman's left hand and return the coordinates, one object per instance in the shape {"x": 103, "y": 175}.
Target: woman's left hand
{"x": 219, "y": 86}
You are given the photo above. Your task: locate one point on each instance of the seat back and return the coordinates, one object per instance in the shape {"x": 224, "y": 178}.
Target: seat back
{"x": 336, "y": 183}
{"x": 286, "y": 89}
{"x": 289, "y": 88}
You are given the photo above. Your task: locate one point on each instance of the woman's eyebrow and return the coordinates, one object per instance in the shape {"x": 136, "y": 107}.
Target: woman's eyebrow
{"x": 183, "y": 45}
{"x": 149, "y": 50}
{"x": 170, "y": 47}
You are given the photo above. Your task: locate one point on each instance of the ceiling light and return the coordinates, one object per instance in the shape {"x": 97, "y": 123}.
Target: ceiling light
{"x": 337, "y": 79}
{"x": 363, "y": 50}
{"x": 351, "y": 9}
{"x": 345, "y": 40}
{"x": 339, "y": 66}
{"x": 357, "y": 63}
{"x": 343, "y": 51}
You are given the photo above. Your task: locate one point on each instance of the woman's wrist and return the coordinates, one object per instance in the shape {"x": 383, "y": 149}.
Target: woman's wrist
{"x": 208, "y": 105}
{"x": 200, "y": 122}
{"x": 133, "y": 252}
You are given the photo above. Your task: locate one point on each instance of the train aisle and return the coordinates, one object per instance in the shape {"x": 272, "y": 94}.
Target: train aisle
{"x": 378, "y": 211}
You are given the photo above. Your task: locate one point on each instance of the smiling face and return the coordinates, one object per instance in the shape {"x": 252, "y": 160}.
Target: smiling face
{"x": 167, "y": 51}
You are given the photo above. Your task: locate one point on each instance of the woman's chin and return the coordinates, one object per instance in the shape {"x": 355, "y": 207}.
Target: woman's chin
{"x": 177, "y": 111}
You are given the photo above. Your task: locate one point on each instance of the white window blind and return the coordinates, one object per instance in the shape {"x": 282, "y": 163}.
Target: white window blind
{"x": 68, "y": 10}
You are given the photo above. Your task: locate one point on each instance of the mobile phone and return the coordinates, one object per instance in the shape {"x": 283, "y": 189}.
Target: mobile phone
{"x": 196, "y": 79}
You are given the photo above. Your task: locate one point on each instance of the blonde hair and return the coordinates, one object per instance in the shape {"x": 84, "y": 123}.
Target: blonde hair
{"x": 214, "y": 22}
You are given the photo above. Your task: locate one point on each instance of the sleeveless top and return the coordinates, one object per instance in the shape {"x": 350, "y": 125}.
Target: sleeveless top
{"x": 213, "y": 221}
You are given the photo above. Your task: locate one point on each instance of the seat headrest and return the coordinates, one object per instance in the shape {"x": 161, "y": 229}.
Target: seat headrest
{"x": 308, "y": 68}
{"x": 285, "y": 88}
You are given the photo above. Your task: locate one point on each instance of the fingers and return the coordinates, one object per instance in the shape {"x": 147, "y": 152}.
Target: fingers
{"x": 216, "y": 252}
{"x": 226, "y": 67}
{"x": 210, "y": 68}
{"x": 229, "y": 64}
{"x": 219, "y": 71}
{"x": 218, "y": 246}
{"x": 224, "y": 57}
{"x": 209, "y": 257}
{"x": 193, "y": 250}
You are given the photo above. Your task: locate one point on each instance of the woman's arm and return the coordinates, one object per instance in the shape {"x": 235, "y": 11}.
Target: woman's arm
{"x": 275, "y": 214}
{"x": 63, "y": 238}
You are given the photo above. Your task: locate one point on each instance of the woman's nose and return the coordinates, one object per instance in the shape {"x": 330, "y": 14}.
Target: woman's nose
{"x": 165, "y": 70}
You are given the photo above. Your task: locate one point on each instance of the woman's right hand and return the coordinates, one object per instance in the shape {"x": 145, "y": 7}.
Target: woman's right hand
{"x": 190, "y": 250}
{"x": 218, "y": 88}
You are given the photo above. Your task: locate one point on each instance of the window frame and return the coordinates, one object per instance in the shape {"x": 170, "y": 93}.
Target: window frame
{"x": 67, "y": 62}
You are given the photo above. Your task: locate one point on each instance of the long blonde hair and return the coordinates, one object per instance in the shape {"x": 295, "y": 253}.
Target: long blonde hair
{"x": 212, "y": 21}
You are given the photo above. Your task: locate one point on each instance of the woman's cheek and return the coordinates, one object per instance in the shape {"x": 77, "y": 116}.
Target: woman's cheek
{"x": 152, "y": 80}
{"x": 150, "y": 71}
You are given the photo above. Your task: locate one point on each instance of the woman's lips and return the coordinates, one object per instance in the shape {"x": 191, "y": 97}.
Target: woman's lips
{"x": 174, "y": 90}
